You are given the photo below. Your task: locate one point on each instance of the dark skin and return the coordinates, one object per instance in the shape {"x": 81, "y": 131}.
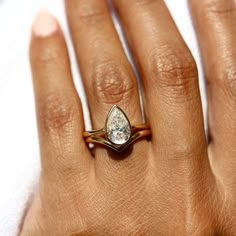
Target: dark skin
{"x": 175, "y": 183}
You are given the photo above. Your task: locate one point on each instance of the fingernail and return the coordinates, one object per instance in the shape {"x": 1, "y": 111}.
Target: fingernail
{"x": 44, "y": 24}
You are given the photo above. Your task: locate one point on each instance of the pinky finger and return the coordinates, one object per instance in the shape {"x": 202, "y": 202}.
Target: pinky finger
{"x": 65, "y": 158}
{"x": 59, "y": 112}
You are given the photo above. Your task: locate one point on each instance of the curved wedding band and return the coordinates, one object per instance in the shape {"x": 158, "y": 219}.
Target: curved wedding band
{"x": 118, "y": 133}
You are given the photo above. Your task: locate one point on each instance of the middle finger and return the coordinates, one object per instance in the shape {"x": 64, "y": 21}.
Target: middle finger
{"x": 169, "y": 75}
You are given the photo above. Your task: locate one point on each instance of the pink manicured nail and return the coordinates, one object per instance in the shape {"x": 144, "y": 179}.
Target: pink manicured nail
{"x": 45, "y": 24}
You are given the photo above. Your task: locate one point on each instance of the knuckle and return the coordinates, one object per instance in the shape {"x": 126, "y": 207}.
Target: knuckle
{"x": 144, "y": 2}
{"x": 112, "y": 84}
{"x": 174, "y": 72}
{"x": 91, "y": 15}
{"x": 57, "y": 112}
{"x": 227, "y": 82}
{"x": 46, "y": 55}
{"x": 217, "y": 7}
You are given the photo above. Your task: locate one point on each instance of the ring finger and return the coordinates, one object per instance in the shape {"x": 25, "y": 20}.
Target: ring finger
{"x": 106, "y": 72}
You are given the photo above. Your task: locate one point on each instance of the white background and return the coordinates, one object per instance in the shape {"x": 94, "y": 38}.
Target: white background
{"x": 19, "y": 155}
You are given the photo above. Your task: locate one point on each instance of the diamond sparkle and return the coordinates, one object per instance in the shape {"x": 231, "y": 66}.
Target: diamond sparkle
{"x": 118, "y": 129}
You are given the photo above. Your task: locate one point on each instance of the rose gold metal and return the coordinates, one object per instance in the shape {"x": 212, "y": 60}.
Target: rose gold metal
{"x": 102, "y": 131}
{"x": 98, "y": 136}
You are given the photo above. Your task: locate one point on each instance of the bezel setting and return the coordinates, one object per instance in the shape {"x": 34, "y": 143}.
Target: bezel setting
{"x": 118, "y": 129}
{"x": 117, "y": 133}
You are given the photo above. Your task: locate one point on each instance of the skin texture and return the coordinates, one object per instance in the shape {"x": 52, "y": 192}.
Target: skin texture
{"x": 174, "y": 183}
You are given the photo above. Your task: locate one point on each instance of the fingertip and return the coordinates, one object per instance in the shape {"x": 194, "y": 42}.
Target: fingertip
{"x": 45, "y": 24}
{"x": 47, "y": 42}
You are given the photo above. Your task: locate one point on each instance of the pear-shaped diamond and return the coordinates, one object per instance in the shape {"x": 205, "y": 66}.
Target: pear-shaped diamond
{"x": 118, "y": 129}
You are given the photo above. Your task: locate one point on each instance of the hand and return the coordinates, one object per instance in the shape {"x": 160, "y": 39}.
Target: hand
{"x": 174, "y": 184}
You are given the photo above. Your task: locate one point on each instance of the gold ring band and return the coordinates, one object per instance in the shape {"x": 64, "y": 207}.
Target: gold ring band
{"x": 117, "y": 134}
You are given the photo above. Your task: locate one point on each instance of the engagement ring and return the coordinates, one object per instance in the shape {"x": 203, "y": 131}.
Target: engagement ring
{"x": 117, "y": 133}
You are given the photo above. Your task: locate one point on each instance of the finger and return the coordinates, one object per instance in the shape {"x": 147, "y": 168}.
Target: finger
{"x": 59, "y": 113}
{"x": 216, "y": 28}
{"x": 172, "y": 98}
{"x": 107, "y": 74}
